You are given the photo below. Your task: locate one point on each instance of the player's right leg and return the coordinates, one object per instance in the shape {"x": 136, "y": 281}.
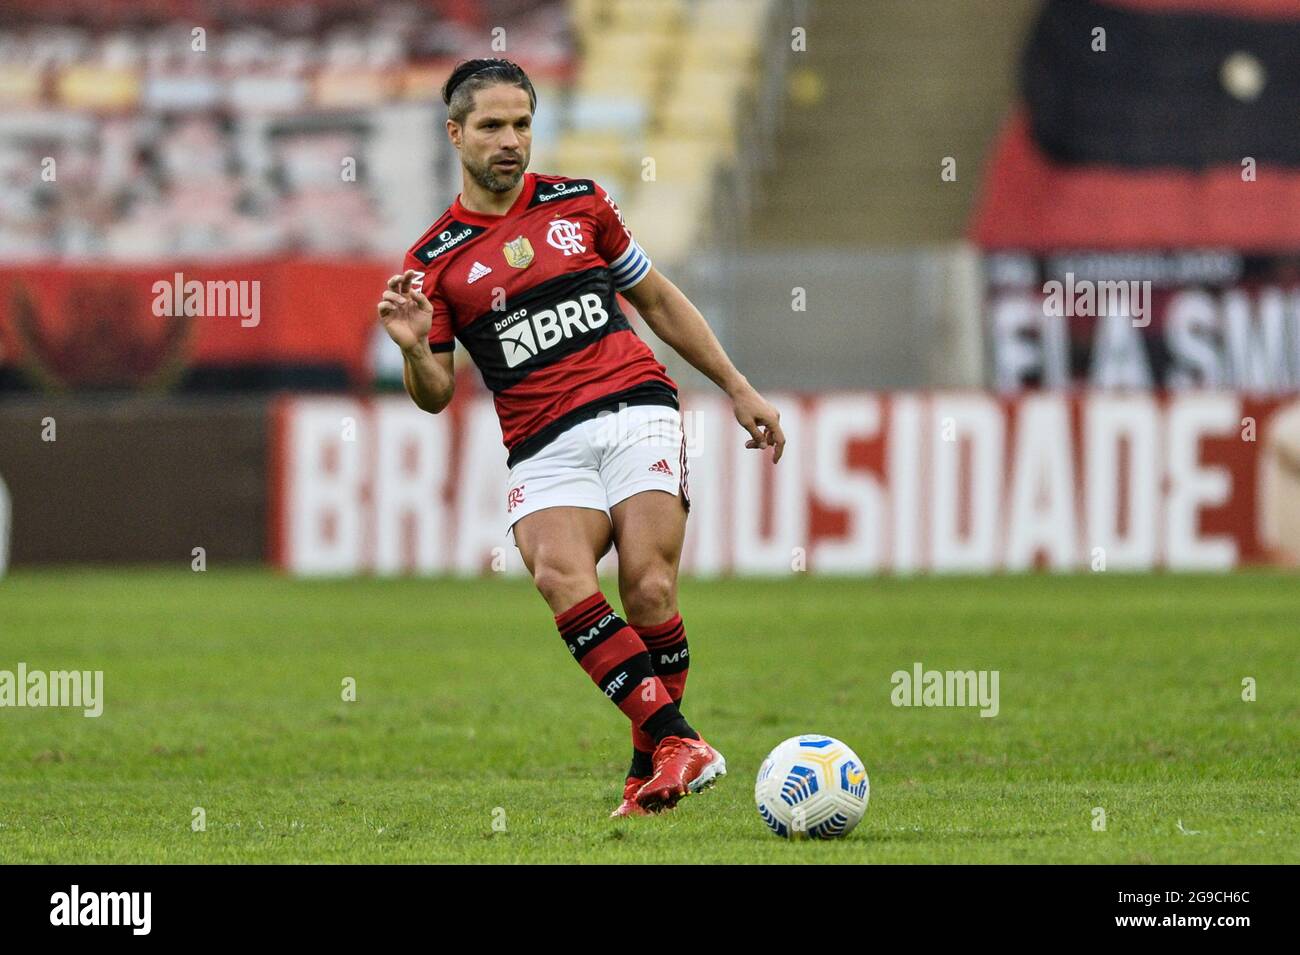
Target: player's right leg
{"x": 649, "y": 528}
{"x": 560, "y": 546}
{"x": 643, "y": 467}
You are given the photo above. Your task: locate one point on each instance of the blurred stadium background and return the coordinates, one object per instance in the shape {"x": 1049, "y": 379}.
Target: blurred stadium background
{"x": 868, "y": 201}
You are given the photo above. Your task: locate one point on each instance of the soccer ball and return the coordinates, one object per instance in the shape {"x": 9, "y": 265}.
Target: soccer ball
{"x": 812, "y": 786}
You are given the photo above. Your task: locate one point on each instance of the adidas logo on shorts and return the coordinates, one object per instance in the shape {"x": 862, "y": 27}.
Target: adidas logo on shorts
{"x": 661, "y": 467}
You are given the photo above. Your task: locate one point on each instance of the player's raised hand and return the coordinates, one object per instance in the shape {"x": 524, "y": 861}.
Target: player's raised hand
{"x": 760, "y": 418}
{"x": 405, "y": 312}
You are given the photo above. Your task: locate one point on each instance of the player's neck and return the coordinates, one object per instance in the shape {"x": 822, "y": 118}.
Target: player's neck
{"x": 486, "y": 202}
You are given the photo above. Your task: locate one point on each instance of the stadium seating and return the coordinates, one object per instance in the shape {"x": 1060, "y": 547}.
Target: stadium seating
{"x": 656, "y": 106}
{"x": 239, "y": 151}
{"x": 319, "y": 133}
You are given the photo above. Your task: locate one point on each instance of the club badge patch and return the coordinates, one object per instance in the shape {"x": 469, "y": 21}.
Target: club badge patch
{"x": 518, "y": 252}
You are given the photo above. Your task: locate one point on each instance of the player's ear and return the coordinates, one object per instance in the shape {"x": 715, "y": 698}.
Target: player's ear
{"x": 454, "y": 131}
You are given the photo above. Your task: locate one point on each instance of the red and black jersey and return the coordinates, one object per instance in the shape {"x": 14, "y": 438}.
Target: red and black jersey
{"x": 531, "y": 294}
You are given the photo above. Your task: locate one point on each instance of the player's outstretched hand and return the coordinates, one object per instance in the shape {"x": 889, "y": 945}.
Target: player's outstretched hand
{"x": 405, "y": 312}
{"x": 761, "y": 419}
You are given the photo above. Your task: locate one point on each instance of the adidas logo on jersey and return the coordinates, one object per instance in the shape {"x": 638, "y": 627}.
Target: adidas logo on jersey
{"x": 532, "y": 334}
{"x": 661, "y": 467}
{"x": 476, "y": 272}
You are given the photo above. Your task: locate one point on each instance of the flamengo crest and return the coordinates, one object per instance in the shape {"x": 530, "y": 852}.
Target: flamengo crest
{"x": 565, "y": 236}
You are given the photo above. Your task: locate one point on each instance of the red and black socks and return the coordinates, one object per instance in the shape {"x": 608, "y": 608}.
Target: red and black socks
{"x": 616, "y": 659}
{"x": 670, "y": 659}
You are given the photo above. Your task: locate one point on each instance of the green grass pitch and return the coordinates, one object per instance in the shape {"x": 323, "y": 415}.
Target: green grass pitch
{"x": 223, "y": 691}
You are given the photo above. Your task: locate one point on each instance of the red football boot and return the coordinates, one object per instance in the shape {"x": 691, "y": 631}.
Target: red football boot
{"x": 682, "y": 766}
{"x": 629, "y": 805}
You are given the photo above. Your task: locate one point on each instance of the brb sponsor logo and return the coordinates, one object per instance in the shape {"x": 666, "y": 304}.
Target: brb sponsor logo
{"x": 523, "y": 335}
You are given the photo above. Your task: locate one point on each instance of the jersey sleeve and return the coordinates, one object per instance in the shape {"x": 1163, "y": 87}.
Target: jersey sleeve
{"x": 441, "y": 333}
{"x": 615, "y": 244}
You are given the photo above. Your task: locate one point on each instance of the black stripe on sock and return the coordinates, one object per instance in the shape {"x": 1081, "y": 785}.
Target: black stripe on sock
{"x": 628, "y": 676}
{"x": 676, "y": 636}
{"x": 668, "y": 721}
{"x": 581, "y": 640}
{"x": 588, "y": 618}
{"x": 643, "y": 766}
{"x": 671, "y": 659}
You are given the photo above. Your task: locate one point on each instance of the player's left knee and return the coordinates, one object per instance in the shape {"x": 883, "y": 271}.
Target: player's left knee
{"x": 651, "y": 597}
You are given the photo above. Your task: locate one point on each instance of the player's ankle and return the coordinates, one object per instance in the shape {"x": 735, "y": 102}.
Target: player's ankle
{"x": 668, "y": 722}
{"x": 642, "y": 765}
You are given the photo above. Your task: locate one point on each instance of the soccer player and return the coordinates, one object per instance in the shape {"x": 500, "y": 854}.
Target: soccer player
{"x": 524, "y": 269}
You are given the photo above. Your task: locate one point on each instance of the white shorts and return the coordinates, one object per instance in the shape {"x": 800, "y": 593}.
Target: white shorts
{"x": 601, "y": 461}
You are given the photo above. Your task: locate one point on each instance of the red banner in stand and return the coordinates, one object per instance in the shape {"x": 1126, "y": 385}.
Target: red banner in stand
{"x": 145, "y": 325}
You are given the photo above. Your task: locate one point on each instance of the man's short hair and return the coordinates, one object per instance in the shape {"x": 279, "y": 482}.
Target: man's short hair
{"x": 470, "y": 76}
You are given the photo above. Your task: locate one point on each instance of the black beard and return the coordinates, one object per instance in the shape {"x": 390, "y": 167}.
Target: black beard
{"x": 484, "y": 176}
